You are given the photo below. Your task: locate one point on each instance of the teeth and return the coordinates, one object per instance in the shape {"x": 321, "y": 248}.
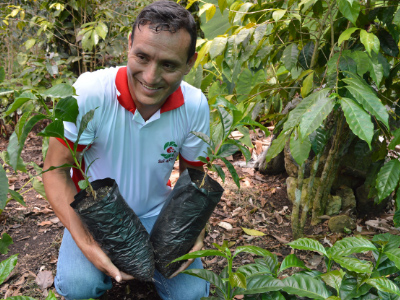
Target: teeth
{"x": 150, "y": 88}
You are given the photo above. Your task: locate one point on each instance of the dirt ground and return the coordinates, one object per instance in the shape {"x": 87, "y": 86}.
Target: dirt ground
{"x": 260, "y": 204}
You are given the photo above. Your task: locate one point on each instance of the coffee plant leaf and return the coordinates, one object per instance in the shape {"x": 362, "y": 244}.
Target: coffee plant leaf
{"x": 305, "y": 286}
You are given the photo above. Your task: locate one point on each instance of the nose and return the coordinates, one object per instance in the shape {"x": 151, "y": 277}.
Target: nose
{"x": 150, "y": 74}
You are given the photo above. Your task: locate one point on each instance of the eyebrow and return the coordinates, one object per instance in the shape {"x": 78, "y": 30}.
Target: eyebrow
{"x": 170, "y": 61}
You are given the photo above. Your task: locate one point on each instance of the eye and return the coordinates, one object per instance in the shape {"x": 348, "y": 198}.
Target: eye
{"x": 169, "y": 66}
{"x": 141, "y": 58}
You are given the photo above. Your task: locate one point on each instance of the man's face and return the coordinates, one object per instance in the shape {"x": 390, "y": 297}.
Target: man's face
{"x": 157, "y": 63}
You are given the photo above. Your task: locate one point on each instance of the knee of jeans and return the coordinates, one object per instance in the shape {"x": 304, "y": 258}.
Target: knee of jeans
{"x": 79, "y": 286}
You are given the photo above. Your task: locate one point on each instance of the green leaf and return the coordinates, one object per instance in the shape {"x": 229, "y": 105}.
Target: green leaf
{"x": 237, "y": 280}
{"x": 299, "y": 150}
{"x": 221, "y": 101}
{"x": 67, "y": 109}
{"x": 367, "y": 98}
{"x": 262, "y": 284}
{"x": 83, "y": 184}
{"x": 227, "y": 150}
{"x": 217, "y": 46}
{"x": 396, "y": 139}
{"x": 290, "y": 56}
{"x": 5, "y": 241}
{"x": 305, "y": 286}
{"x": 226, "y": 120}
{"x": 350, "y": 245}
{"x": 358, "y": 119}
{"x": 208, "y": 276}
{"x": 307, "y": 85}
{"x": 276, "y": 146}
{"x": 314, "y": 116}
{"x": 253, "y": 232}
{"x": 292, "y": 261}
{"x": 296, "y": 114}
{"x": 39, "y": 187}
{"x": 30, "y": 43}
{"x": 22, "y": 298}
{"x": 349, "y": 9}
{"x": 306, "y": 54}
{"x": 388, "y": 44}
{"x": 220, "y": 172}
{"x": 253, "y": 270}
{"x": 203, "y": 137}
{"x": 17, "y": 197}
{"x": 394, "y": 256}
{"x": 17, "y": 104}
{"x": 3, "y": 188}
{"x": 200, "y": 253}
{"x": 384, "y": 285}
{"x": 376, "y": 69}
{"x": 95, "y": 37}
{"x": 87, "y": 42}
{"x": 253, "y": 250}
{"x": 232, "y": 170}
{"x": 222, "y": 4}
{"x": 308, "y": 244}
{"x": 370, "y": 41}
{"x": 2, "y": 74}
{"x": 278, "y": 14}
{"x": 210, "y": 12}
{"x": 247, "y": 81}
{"x": 83, "y": 125}
{"x": 61, "y": 90}
{"x": 54, "y": 129}
{"x": 346, "y": 34}
{"x": 22, "y": 58}
{"x": 6, "y": 266}
{"x": 318, "y": 139}
{"x": 354, "y": 265}
{"x": 102, "y": 30}
{"x": 51, "y": 296}
{"x": 350, "y": 288}
{"x": 333, "y": 278}
{"x": 388, "y": 178}
{"x": 361, "y": 58}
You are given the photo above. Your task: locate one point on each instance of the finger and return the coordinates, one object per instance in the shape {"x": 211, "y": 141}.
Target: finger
{"x": 126, "y": 276}
{"x": 182, "y": 268}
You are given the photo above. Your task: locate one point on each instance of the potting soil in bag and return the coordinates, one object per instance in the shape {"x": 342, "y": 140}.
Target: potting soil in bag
{"x": 117, "y": 229}
{"x": 183, "y": 217}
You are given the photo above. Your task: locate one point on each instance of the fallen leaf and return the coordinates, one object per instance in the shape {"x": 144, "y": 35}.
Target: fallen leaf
{"x": 253, "y": 232}
{"x": 281, "y": 240}
{"x": 225, "y": 225}
{"x": 44, "y": 279}
{"x": 54, "y": 220}
{"x": 278, "y": 217}
{"x": 45, "y": 223}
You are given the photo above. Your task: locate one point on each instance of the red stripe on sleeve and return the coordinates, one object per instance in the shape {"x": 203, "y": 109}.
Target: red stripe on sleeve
{"x": 192, "y": 163}
{"x": 71, "y": 144}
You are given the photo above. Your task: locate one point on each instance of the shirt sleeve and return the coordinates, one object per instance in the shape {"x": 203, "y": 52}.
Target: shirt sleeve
{"x": 89, "y": 97}
{"x": 193, "y": 146}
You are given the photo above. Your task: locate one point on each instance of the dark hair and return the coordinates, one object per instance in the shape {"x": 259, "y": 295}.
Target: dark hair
{"x": 165, "y": 15}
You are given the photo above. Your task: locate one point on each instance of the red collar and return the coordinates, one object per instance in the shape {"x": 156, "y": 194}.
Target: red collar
{"x": 174, "y": 101}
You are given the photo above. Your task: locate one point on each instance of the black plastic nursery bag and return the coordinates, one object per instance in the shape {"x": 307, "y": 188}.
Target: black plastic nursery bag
{"x": 117, "y": 229}
{"x": 183, "y": 217}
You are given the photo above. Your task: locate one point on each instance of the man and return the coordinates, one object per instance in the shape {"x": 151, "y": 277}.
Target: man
{"x": 140, "y": 108}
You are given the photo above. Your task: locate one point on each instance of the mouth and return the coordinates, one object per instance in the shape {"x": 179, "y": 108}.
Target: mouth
{"x": 149, "y": 87}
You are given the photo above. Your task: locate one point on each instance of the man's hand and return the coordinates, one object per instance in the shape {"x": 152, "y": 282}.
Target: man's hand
{"x": 102, "y": 262}
{"x": 198, "y": 245}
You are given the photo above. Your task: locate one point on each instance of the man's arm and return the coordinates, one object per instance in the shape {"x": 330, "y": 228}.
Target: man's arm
{"x": 198, "y": 245}
{"x": 60, "y": 191}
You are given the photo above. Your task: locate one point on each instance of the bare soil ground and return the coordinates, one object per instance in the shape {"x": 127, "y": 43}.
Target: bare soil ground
{"x": 260, "y": 204}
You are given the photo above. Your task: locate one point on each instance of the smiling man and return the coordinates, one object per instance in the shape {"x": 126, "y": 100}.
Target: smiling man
{"x": 143, "y": 120}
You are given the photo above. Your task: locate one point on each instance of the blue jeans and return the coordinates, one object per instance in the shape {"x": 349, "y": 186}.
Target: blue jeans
{"x": 78, "y": 278}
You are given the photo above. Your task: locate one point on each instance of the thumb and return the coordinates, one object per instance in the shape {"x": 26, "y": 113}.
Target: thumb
{"x": 115, "y": 273}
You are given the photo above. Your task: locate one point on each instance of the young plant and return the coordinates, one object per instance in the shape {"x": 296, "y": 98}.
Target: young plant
{"x": 221, "y": 144}
{"x": 346, "y": 277}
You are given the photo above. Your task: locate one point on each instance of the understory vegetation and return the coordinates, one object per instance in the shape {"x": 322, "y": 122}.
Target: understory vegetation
{"x": 323, "y": 73}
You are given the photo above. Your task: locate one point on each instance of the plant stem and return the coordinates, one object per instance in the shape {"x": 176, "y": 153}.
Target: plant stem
{"x": 79, "y": 167}
{"x": 310, "y": 192}
{"x": 296, "y": 229}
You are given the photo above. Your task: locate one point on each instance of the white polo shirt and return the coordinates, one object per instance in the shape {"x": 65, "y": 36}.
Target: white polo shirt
{"x": 138, "y": 154}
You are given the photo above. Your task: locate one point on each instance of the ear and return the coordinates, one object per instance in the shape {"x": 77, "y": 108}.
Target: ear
{"x": 190, "y": 63}
{"x": 130, "y": 42}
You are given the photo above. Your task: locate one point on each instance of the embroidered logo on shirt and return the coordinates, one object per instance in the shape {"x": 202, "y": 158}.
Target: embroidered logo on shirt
{"x": 170, "y": 152}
